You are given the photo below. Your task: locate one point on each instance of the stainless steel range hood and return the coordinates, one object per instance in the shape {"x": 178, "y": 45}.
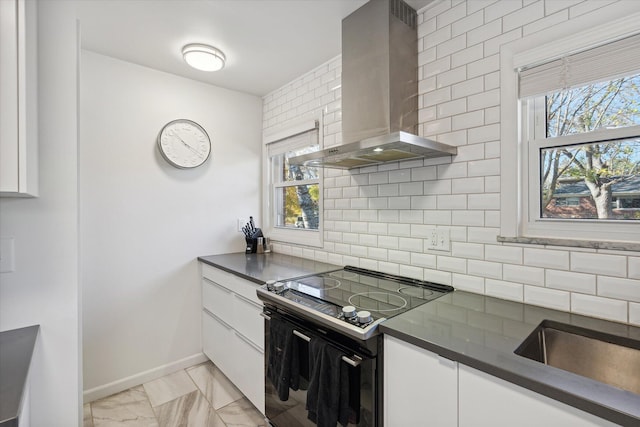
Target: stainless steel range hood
{"x": 379, "y": 91}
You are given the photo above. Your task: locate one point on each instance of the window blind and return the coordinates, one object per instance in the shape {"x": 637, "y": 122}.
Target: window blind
{"x": 606, "y": 62}
{"x": 295, "y": 142}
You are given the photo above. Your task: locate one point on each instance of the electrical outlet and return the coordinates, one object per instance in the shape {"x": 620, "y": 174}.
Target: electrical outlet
{"x": 241, "y": 223}
{"x": 439, "y": 239}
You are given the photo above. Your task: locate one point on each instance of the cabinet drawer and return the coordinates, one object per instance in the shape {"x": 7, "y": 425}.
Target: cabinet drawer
{"x": 232, "y": 282}
{"x": 218, "y": 300}
{"x": 216, "y": 339}
{"x": 251, "y": 379}
{"x": 247, "y": 320}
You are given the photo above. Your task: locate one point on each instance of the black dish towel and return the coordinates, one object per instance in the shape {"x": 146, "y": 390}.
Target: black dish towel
{"x": 283, "y": 367}
{"x": 328, "y": 393}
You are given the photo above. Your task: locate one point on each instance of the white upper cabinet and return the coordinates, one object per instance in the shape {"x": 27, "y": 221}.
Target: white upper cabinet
{"x": 18, "y": 102}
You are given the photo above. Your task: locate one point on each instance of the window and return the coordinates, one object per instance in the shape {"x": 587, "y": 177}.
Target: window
{"x": 570, "y": 133}
{"x": 294, "y": 208}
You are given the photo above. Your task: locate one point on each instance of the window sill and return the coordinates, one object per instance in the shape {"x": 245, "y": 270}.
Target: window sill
{"x": 590, "y": 244}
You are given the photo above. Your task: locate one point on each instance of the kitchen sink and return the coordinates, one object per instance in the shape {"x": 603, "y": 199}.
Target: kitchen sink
{"x": 603, "y": 357}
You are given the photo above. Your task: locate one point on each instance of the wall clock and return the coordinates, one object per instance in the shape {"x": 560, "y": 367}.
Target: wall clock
{"x": 184, "y": 144}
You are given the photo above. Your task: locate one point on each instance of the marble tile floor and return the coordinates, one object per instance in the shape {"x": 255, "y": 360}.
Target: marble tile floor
{"x": 199, "y": 396}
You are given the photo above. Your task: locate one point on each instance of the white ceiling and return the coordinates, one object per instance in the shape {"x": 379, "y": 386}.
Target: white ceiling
{"x": 267, "y": 42}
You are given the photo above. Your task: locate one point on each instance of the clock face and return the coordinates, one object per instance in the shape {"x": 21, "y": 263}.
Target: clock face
{"x": 184, "y": 144}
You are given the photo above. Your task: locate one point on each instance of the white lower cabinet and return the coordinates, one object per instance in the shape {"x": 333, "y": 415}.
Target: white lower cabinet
{"x": 421, "y": 386}
{"x": 488, "y": 401}
{"x": 233, "y": 331}
{"x": 418, "y": 386}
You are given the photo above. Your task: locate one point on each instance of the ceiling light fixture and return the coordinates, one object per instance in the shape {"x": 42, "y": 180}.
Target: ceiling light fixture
{"x": 203, "y": 57}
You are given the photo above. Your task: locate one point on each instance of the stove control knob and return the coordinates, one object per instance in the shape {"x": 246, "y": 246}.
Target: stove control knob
{"x": 270, "y": 284}
{"x": 364, "y": 317}
{"x": 278, "y": 287}
{"x": 349, "y": 312}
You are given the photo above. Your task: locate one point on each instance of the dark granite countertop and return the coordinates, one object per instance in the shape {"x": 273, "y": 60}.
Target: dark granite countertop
{"x": 16, "y": 349}
{"x": 259, "y": 268}
{"x": 482, "y": 332}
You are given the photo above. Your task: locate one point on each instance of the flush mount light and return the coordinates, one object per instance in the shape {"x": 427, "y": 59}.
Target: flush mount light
{"x": 378, "y": 149}
{"x": 203, "y": 57}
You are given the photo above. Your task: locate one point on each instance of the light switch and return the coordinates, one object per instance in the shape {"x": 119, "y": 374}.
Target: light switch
{"x": 7, "y": 255}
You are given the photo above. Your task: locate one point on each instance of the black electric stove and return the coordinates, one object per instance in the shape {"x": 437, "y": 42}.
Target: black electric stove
{"x": 352, "y": 300}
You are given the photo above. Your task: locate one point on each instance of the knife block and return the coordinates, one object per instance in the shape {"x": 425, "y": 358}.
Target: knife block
{"x": 252, "y": 245}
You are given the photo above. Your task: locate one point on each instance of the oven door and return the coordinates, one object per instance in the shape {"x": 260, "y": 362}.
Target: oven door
{"x": 292, "y": 412}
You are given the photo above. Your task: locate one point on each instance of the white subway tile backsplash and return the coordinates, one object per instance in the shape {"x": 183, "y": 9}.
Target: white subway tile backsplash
{"x": 436, "y": 276}
{"x": 523, "y": 274}
{"x": 605, "y": 308}
{"x": 379, "y": 228}
{"x": 411, "y": 217}
{"x": 387, "y": 190}
{"x": 482, "y": 234}
{"x": 467, "y": 250}
{"x": 544, "y": 23}
{"x": 377, "y": 253}
{"x": 401, "y": 257}
{"x": 634, "y": 313}
{"x": 483, "y": 167}
{"x": 610, "y": 265}
{"x": 523, "y": 16}
{"x": 484, "y": 32}
{"x": 391, "y": 215}
{"x": 400, "y": 202}
{"x": 451, "y": 15}
{"x": 423, "y": 260}
{"x": 379, "y": 178}
{"x": 505, "y": 254}
{"x": 634, "y": 267}
{"x": 423, "y": 202}
{"x": 458, "y": 201}
{"x": 484, "y": 269}
{"x": 448, "y": 263}
{"x": 468, "y": 283}
{"x": 466, "y": 88}
{"x": 424, "y": 173}
{"x": 400, "y": 175}
{"x": 467, "y": 185}
{"x": 369, "y": 215}
{"x": 569, "y": 281}
{"x": 411, "y": 271}
{"x": 472, "y": 218}
{"x": 614, "y": 287}
{"x": 450, "y": 170}
{"x": 377, "y": 203}
{"x": 410, "y": 244}
{"x": 470, "y": 152}
{"x": 380, "y": 217}
{"x": 484, "y": 201}
{"x": 411, "y": 188}
{"x": 467, "y": 55}
{"x": 441, "y": 186}
{"x": 549, "y": 298}
{"x": 546, "y": 258}
{"x": 505, "y": 290}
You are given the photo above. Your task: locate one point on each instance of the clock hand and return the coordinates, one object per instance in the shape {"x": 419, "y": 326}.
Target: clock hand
{"x": 189, "y": 147}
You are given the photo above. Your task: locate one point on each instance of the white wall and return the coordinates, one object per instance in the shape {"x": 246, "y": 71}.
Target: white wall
{"x": 378, "y": 217}
{"x": 143, "y": 222}
{"x": 44, "y": 289}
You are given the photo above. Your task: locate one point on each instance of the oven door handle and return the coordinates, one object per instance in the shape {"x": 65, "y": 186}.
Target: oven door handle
{"x": 265, "y": 316}
{"x": 355, "y": 363}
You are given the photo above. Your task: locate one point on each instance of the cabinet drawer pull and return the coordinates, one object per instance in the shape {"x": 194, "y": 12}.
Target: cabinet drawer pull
{"x": 247, "y": 300}
{"x": 225, "y": 324}
{"x": 217, "y": 285}
{"x": 248, "y": 341}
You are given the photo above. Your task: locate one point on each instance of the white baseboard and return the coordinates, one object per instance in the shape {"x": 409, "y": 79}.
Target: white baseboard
{"x": 141, "y": 378}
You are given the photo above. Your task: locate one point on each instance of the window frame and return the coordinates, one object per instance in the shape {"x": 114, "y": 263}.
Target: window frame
{"x": 300, "y": 236}
{"x": 515, "y": 127}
